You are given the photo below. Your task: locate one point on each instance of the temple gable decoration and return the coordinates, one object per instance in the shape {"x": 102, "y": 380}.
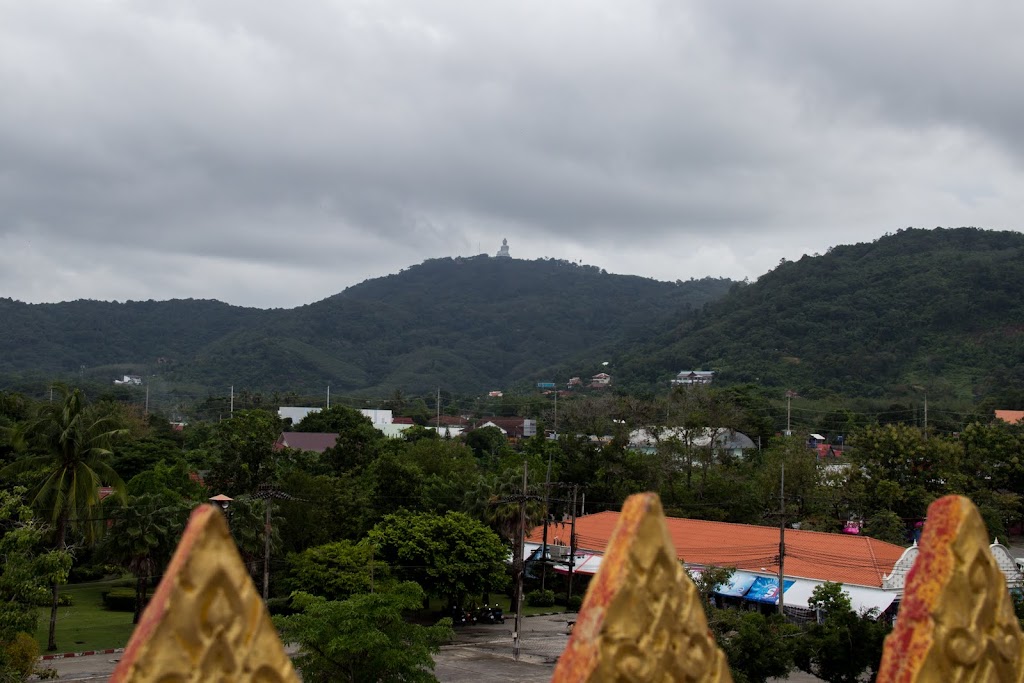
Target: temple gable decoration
{"x": 206, "y": 622}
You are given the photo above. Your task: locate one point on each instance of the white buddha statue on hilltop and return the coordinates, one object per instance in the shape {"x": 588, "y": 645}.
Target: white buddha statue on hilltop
{"x": 503, "y": 251}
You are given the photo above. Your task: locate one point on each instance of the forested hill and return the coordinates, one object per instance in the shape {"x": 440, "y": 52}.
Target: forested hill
{"x": 938, "y": 309}
{"x": 466, "y": 324}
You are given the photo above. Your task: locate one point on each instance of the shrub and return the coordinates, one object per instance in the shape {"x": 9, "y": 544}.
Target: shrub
{"x": 119, "y": 600}
{"x": 280, "y": 606}
{"x": 573, "y": 605}
{"x": 20, "y": 656}
{"x": 540, "y": 598}
{"x": 81, "y": 574}
{"x": 46, "y": 599}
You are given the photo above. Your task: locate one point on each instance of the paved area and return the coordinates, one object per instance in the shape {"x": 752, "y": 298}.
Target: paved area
{"x": 479, "y": 653}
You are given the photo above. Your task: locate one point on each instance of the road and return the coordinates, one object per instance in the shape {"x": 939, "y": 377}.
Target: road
{"x": 479, "y": 653}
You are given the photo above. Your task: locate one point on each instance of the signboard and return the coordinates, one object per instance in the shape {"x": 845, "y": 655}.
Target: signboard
{"x": 766, "y": 590}
{"x": 529, "y": 428}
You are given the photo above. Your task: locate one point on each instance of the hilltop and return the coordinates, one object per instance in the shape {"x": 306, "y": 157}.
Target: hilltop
{"x": 938, "y": 309}
{"x": 468, "y": 324}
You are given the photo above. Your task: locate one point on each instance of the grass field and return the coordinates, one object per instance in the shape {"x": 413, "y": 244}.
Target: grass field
{"x": 86, "y": 624}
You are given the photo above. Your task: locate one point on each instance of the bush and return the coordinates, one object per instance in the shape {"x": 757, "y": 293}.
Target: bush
{"x": 280, "y": 606}
{"x": 540, "y": 598}
{"x": 19, "y": 656}
{"x": 64, "y": 599}
{"x": 573, "y": 605}
{"x": 119, "y": 600}
{"x": 82, "y": 574}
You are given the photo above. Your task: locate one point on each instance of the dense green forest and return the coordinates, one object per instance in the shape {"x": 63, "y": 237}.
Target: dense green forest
{"x": 939, "y": 310}
{"x": 918, "y": 312}
{"x": 469, "y": 324}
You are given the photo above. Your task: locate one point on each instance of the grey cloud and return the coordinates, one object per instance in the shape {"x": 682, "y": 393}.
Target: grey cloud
{"x": 343, "y": 137}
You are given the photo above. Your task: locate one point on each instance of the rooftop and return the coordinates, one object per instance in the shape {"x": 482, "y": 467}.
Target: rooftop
{"x": 842, "y": 558}
{"x": 317, "y": 442}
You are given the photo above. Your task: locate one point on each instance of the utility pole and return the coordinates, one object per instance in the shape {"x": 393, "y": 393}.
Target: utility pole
{"x": 925, "y": 392}
{"x": 266, "y": 549}
{"x": 789, "y": 411}
{"x": 147, "y": 399}
{"x": 926, "y": 416}
{"x": 520, "y": 561}
{"x": 556, "y": 422}
{"x": 267, "y": 494}
{"x": 782, "y": 535}
{"x": 439, "y": 410}
{"x": 328, "y": 397}
{"x": 232, "y": 400}
{"x": 572, "y": 547}
{"x": 547, "y": 516}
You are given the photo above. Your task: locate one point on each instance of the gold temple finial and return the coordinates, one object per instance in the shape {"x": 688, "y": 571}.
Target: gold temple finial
{"x": 956, "y": 621}
{"x": 642, "y": 618}
{"x": 206, "y": 622}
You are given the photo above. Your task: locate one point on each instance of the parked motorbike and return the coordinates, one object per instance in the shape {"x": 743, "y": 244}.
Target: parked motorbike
{"x": 490, "y": 615}
{"x": 461, "y": 617}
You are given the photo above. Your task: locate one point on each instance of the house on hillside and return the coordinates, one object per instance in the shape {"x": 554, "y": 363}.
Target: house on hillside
{"x": 600, "y": 380}
{"x": 690, "y": 377}
{"x": 129, "y": 379}
{"x": 512, "y": 427}
{"x": 722, "y": 440}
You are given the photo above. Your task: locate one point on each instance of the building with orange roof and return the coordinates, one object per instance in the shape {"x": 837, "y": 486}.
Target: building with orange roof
{"x": 872, "y": 572}
{"x": 864, "y": 565}
{"x": 1011, "y": 416}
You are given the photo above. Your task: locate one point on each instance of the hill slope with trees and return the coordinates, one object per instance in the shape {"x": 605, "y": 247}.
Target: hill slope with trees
{"x": 936, "y": 309}
{"x": 468, "y": 324}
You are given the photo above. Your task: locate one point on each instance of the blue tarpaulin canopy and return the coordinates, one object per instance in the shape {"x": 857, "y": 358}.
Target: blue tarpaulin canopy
{"x": 738, "y": 585}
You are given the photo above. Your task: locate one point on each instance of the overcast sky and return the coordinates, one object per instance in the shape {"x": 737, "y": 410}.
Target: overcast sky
{"x": 272, "y": 154}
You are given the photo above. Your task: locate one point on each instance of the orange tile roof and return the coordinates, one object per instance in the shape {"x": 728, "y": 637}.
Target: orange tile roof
{"x": 1011, "y": 416}
{"x": 814, "y": 555}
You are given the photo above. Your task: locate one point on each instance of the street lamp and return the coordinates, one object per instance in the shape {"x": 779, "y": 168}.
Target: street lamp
{"x": 221, "y": 501}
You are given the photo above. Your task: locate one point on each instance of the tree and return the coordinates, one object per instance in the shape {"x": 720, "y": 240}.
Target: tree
{"x": 142, "y": 538}
{"x": 72, "y": 443}
{"x": 450, "y": 556}
{"x": 363, "y": 638}
{"x": 337, "y": 571}
{"x": 25, "y": 576}
{"x": 758, "y": 647}
{"x": 358, "y": 443}
{"x": 845, "y": 645}
{"x": 245, "y": 456}
{"x": 886, "y": 525}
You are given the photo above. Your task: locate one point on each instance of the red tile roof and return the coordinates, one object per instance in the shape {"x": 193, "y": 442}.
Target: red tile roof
{"x": 1011, "y": 416}
{"x": 317, "y": 442}
{"x": 809, "y": 554}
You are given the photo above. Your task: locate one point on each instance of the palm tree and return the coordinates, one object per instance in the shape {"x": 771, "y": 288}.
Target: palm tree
{"x": 143, "y": 536}
{"x": 71, "y": 443}
{"x": 505, "y": 514}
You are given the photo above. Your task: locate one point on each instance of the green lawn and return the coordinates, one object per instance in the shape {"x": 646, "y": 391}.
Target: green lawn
{"x": 86, "y": 625}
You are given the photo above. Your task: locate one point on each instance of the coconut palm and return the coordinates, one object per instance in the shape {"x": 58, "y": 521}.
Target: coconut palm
{"x": 142, "y": 538}
{"x": 69, "y": 444}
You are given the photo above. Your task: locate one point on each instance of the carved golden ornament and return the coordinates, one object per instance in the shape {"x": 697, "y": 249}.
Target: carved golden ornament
{"x": 642, "y": 618}
{"x": 956, "y": 622}
{"x": 206, "y": 622}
